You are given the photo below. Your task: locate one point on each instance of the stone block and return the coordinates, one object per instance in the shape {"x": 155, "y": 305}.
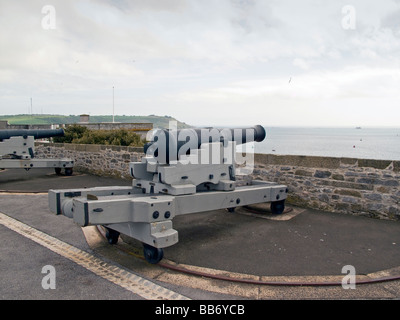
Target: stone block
{"x": 298, "y": 161}
{"x": 390, "y": 183}
{"x": 373, "y": 196}
{"x": 377, "y": 164}
{"x": 322, "y": 174}
{"x": 297, "y": 200}
{"x": 369, "y": 181}
{"x": 349, "y": 161}
{"x": 136, "y": 150}
{"x": 348, "y": 192}
{"x": 73, "y": 147}
{"x": 382, "y": 189}
{"x": 301, "y": 172}
{"x": 374, "y": 206}
{"x": 349, "y": 200}
{"x": 346, "y": 184}
{"x": 323, "y": 197}
{"x": 338, "y": 177}
{"x": 92, "y": 148}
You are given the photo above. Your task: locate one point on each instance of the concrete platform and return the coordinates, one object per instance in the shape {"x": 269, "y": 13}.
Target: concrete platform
{"x": 301, "y": 247}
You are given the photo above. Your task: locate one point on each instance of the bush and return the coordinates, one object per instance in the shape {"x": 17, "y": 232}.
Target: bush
{"x": 71, "y": 134}
{"x": 82, "y": 135}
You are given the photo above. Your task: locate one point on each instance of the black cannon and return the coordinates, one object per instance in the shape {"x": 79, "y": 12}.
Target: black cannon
{"x": 35, "y": 133}
{"x": 167, "y": 144}
{"x": 17, "y": 150}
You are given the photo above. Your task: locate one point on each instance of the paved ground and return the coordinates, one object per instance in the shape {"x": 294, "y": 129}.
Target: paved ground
{"x": 300, "y": 246}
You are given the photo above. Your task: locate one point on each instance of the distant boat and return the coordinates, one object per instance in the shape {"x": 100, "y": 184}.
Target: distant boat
{"x": 358, "y": 127}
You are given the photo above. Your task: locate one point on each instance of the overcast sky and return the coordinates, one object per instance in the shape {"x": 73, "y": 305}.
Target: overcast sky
{"x": 205, "y": 62}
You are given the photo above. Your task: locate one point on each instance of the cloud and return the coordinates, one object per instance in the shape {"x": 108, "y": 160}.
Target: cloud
{"x": 356, "y": 94}
{"x": 189, "y": 58}
{"x": 301, "y": 64}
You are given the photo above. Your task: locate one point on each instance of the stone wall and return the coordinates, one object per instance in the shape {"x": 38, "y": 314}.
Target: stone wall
{"x": 140, "y": 128}
{"x": 102, "y": 160}
{"x": 4, "y": 125}
{"x": 345, "y": 185}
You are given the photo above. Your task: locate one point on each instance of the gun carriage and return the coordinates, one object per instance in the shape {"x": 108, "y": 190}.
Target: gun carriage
{"x": 17, "y": 150}
{"x": 184, "y": 171}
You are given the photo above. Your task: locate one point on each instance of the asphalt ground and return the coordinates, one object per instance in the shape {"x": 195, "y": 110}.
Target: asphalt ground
{"x": 300, "y": 246}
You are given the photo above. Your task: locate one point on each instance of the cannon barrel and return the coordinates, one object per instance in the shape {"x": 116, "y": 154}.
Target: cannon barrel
{"x": 169, "y": 142}
{"x": 36, "y": 133}
{"x": 240, "y": 135}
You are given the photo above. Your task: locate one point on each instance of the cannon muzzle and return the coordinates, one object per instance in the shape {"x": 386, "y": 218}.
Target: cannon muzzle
{"x": 36, "y": 133}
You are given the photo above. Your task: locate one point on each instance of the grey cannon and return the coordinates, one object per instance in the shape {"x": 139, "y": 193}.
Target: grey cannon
{"x": 183, "y": 171}
{"x": 17, "y": 150}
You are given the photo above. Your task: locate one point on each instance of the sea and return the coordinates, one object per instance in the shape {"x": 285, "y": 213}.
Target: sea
{"x": 360, "y": 142}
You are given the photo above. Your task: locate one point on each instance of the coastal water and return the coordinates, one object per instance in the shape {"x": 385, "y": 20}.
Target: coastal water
{"x": 364, "y": 143}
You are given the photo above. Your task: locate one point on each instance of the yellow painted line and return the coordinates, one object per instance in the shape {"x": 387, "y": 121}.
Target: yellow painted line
{"x": 134, "y": 283}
